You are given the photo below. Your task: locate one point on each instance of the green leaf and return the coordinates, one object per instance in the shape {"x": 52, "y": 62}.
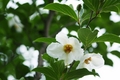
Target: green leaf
{"x": 108, "y": 37}
{"x": 117, "y": 53}
{"x": 86, "y": 16}
{"x": 49, "y": 59}
{"x": 62, "y": 8}
{"x": 111, "y": 5}
{"x": 92, "y": 4}
{"x": 58, "y": 67}
{"x": 21, "y": 70}
{"x": 74, "y": 65}
{"x": 44, "y": 39}
{"x": 3, "y": 76}
{"x": 47, "y": 71}
{"x": 79, "y": 73}
{"x": 87, "y": 36}
{"x": 22, "y": 78}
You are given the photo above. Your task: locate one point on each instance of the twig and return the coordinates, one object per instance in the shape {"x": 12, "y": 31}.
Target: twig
{"x": 71, "y": 66}
{"x": 91, "y": 19}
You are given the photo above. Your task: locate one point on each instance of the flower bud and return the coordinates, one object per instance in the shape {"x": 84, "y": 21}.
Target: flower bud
{"x": 79, "y": 7}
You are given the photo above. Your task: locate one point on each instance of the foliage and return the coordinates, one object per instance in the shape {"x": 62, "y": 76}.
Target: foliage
{"x": 37, "y": 29}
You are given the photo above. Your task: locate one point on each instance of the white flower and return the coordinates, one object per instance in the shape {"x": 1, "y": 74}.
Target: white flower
{"x": 67, "y": 49}
{"x": 91, "y": 61}
{"x": 43, "y": 77}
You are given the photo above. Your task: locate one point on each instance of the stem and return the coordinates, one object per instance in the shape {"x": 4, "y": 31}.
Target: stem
{"x": 97, "y": 12}
{"x": 79, "y": 18}
{"x": 92, "y": 18}
{"x": 71, "y": 66}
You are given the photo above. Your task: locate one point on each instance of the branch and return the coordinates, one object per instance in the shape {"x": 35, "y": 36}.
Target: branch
{"x": 40, "y": 60}
{"x": 97, "y": 12}
{"x": 48, "y": 23}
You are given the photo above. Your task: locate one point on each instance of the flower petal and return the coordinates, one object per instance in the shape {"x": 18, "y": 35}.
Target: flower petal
{"x": 55, "y": 50}
{"x": 68, "y": 59}
{"x": 77, "y": 52}
{"x": 62, "y": 38}
{"x": 88, "y": 67}
{"x": 97, "y": 60}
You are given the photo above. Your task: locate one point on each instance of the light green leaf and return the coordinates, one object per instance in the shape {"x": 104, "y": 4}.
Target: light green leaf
{"x": 44, "y": 39}
{"x": 22, "y": 78}
{"x": 108, "y": 37}
{"x": 62, "y": 8}
{"x": 87, "y": 36}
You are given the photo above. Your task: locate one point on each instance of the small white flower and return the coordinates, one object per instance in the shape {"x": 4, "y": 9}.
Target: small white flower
{"x": 67, "y": 49}
{"x": 43, "y": 77}
{"x": 91, "y": 61}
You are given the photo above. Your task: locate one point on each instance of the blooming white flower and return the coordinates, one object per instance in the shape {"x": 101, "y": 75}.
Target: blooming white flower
{"x": 67, "y": 48}
{"x": 91, "y": 61}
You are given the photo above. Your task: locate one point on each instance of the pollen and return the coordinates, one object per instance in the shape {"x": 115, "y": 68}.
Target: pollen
{"x": 68, "y": 48}
{"x": 87, "y": 60}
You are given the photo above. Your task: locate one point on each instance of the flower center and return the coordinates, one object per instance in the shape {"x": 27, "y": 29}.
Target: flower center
{"x": 68, "y": 48}
{"x": 87, "y": 60}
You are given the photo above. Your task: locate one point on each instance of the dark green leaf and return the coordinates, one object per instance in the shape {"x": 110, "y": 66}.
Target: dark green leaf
{"x": 3, "y": 76}
{"x": 46, "y": 40}
{"x": 92, "y": 4}
{"x": 87, "y": 36}
{"x": 74, "y": 65}
{"x": 21, "y": 70}
{"x": 47, "y": 71}
{"x": 58, "y": 67}
{"x": 117, "y": 53}
{"x": 111, "y": 5}
{"x": 49, "y": 59}
{"x": 62, "y": 8}
{"x": 79, "y": 73}
{"x": 86, "y": 16}
{"x": 108, "y": 37}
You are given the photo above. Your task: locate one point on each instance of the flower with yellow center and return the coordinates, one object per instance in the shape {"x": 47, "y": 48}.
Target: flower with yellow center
{"x": 91, "y": 61}
{"x": 67, "y": 48}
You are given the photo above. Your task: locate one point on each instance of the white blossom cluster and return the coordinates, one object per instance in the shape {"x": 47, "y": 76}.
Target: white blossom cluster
{"x": 69, "y": 49}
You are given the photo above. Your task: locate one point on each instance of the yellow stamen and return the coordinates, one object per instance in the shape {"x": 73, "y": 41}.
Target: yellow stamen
{"x": 68, "y": 48}
{"x": 87, "y": 60}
